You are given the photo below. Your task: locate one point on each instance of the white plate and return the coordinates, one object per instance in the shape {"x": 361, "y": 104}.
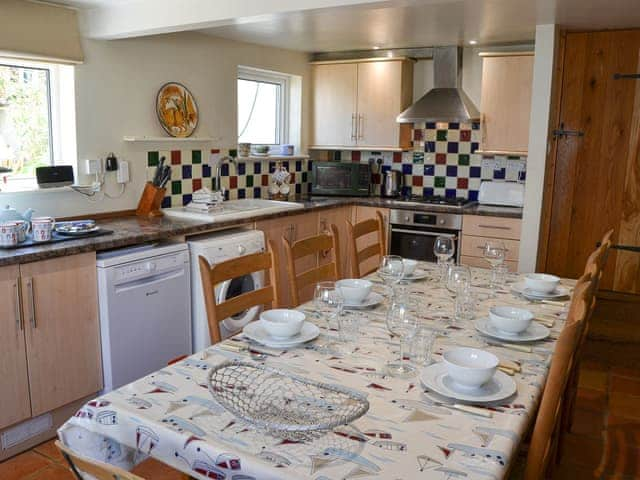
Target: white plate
{"x": 256, "y": 332}
{"x": 436, "y": 378}
{"x": 371, "y": 301}
{"x": 418, "y": 274}
{"x": 534, "y": 331}
{"x": 521, "y": 288}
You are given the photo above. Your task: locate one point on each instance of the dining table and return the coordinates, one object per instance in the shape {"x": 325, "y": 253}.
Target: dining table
{"x": 409, "y": 431}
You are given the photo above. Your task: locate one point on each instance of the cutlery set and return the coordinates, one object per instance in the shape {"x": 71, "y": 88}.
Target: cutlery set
{"x": 162, "y": 174}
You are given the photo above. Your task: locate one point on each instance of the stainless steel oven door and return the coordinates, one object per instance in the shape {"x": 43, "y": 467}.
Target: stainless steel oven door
{"x": 418, "y": 244}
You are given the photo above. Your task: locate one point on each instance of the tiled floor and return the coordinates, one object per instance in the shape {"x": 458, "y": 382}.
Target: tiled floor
{"x": 604, "y": 443}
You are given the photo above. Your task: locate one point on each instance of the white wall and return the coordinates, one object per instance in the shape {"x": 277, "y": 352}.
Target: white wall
{"x": 115, "y": 96}
{"x": 546, "y": 36}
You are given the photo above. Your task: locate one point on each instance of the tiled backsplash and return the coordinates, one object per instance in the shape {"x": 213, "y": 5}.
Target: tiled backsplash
{"x": 192, "y": 170}
{"x": 443, "y": 162}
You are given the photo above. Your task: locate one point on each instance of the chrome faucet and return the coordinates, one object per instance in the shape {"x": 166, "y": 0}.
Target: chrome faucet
{"x": 226, "y": 158}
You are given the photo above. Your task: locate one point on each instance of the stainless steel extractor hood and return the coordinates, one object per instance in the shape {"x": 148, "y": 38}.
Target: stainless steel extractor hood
{"x": 446, "y": 102}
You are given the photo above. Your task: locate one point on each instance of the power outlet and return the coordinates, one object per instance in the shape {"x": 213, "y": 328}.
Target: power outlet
{"x": 93, "y": 166}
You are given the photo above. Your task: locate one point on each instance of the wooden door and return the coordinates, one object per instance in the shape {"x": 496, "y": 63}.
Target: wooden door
{"x": 60, "y": 308}
{"x": 337, "y": 217}
{"x": 334, "y": 104}
{"x": 506, "y": 103}
{"x": 14, "y": 392}
{"x": 381, "y": 97}
{"x": 291, "y": 228}
{"x": 593, "y": 182}
{"x": 365, "y": 213}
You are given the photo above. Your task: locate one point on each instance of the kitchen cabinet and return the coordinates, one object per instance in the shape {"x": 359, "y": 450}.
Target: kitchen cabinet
{"x": 49, "y": 336}
{"x": 14, "y": 393}
{"x": 477, "y": 229}
{"x": 292, "y": 228}
{"x": 355, "y": 104}
{"x": 338, "y": 217}
{"x": 506, "y": 102}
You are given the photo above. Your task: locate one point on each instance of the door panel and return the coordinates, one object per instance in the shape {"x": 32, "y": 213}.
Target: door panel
{"x": 334, "y": 104}
{"x": 14, "y": 393}
{"x": 596, "y": 175}
{"x": 63, "y": 336}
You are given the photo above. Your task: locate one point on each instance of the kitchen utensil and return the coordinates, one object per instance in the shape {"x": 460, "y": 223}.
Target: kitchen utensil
{"x": 166, "y": 176}
{"x": 372, "y": 300}
{"x": 392, "y": 183}
{"x": 9, "y": 234}
{"x": 541, "y": 283}
{"x": 9, "y": 214}
{"x": 23, "y": 229}
{"x": 150, "y": 201}
{"x": 282, "y": 323}
{"x": 158, "y": 173}
{"x": 244, "y": 149}
{"x": 283, "y": 404}
{"x": 42, "y": 228}
{"x": 354, "y": 291}
{"x": 255, "y": 331}
{"x": 409, "y": 266}
{"x": 470, "y": 368}
{"x": 533, "y": 332}
{"x": 511, "y": 320}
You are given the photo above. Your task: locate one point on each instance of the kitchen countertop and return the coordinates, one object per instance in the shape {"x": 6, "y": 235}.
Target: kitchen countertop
{"x": 135, "y": 230}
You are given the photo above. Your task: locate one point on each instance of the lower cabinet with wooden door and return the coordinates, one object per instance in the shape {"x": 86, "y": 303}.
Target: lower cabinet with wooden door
{"x": 292, "y": 228}
{"x": 477, "y": 229}
{"x": 49, "y": 336}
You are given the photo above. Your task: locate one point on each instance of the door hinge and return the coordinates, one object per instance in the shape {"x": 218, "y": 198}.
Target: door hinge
{"x": 561, "y": 132}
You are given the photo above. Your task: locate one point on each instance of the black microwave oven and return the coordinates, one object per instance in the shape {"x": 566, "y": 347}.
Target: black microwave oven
{"x": 337, "y": 178}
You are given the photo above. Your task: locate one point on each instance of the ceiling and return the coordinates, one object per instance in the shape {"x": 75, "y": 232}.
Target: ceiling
{"x": 333, "y": 25}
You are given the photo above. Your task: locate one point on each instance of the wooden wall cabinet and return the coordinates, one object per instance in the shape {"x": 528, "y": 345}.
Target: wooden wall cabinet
{"x": 355, "y": 104}
{"x": 477, "y": 229}
{"x": 506, "y": 103}
{"x": 49, "y": 336}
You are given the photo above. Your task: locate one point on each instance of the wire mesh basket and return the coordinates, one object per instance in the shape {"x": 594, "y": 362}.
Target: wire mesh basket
{"x": 282, "y": 404}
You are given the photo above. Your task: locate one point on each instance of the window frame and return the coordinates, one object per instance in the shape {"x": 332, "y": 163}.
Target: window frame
{"x": 282, "y": 101}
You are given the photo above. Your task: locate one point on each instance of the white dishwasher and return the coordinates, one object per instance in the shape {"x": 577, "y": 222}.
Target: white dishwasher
{"x": 145, "y": 309}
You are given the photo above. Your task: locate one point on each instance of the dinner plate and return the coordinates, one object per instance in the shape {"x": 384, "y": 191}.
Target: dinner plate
{"x": 372, "y": 300}
{"x": 534, "y": 331}
{"x": 256, "y": 332}
{"x": 418, "y": 274}
{"x": 520, "y": 287}
{"x": 435, "y": 377}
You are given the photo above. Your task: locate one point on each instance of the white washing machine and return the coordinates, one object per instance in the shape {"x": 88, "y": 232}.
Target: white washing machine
{"x": 216, "y": 248}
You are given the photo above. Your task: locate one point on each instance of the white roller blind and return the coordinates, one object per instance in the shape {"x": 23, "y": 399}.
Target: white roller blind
{"x": 36, "y": 31}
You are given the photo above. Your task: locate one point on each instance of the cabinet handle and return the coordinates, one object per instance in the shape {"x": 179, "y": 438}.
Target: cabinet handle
{"x": 32, "y": 304}
{"x": 19, "y": 319}
{"x": 482, "y": 248}
{"x": 354, "y": 127}
{"x": 360, "y": 127}
{"x": 497, "y": 227}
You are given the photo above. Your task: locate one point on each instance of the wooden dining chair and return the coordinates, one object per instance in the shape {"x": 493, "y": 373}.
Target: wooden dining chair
{"x": 360, "y": 255}
{"x": 99, "y": 470}
{"x": 547, "y": 429}
{"x": 598, "y": 258}
{"x": 318, "y": 246}
{"x": 213, "y": 275}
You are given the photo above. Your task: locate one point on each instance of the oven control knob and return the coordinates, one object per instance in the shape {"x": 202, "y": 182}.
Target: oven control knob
{"x": 441, "y": 221}
{"x": 407, "y": 218}
{"x": 150, "y": 266}
{"x": 241, "y": 249}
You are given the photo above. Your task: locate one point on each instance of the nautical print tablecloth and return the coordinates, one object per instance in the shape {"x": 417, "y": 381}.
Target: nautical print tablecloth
{"x": 409, "y": 432}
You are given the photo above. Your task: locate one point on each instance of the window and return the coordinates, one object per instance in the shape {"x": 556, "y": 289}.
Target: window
{"x": 37, "y": 120}
{"x": 263, "y": 102}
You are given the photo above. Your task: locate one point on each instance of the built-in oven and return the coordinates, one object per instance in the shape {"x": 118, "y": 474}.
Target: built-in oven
{"x": 337, "y": 178}
{"x": 413, "y": 233}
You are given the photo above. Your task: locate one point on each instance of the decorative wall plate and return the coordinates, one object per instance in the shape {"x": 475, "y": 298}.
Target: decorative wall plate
{"x": 177, "y": 110}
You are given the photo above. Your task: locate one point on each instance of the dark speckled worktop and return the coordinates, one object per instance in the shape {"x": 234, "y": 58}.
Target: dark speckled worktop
{"x": 133, "y": 230}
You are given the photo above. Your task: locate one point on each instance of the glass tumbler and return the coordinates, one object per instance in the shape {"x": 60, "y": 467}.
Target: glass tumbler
{"x": 421, "y": 347}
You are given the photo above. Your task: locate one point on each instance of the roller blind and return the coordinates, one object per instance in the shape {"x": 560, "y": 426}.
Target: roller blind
{"x": 37, "y": 31}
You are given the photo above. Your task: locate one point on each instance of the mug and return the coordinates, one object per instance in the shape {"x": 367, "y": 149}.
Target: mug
{"x": 42, "y": 228}
{"x": 9, "y": 232}
{"x": 244, "y": 149}
{"x": 23, "y": 230}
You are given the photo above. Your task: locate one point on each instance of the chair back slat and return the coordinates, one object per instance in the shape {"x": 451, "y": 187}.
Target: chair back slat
{"x": 213, "y": 275}
{"x": 362, "y": 254}
{"x": 319, "y": 246}
{"x": 99, "y": 470}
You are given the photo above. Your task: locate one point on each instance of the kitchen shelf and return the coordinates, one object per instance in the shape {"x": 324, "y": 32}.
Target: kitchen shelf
{"x": 276, "y": 158}
{"x": 128, "y": 138}
{"x": 358, "y": 148}
{"x": 509, "y": 153}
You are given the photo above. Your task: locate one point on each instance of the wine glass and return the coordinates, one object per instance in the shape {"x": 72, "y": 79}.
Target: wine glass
{"x": 459, "y": 283}
{"x": 494, "y": 252}
{"x": 443, "y": 249}
{"x": 401, "y": 323}
{"x": 391, "y": 270}
{"x": 328, "y": 295}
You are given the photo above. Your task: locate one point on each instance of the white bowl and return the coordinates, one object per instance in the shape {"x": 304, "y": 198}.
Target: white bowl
{"x": 510, "y": 319}
{"x": 470, "y": 368}
{"x": 541, "y": 282}
{"x": 282, "y": 323}
{"x": 409, "y": 266}
{"x": 354, "y": 290}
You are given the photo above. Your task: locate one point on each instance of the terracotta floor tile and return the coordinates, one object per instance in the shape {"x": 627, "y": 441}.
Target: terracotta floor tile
{"x": 49, "y": 450}
{"x": 54, "y": 472}
{"x": 152, "y": 469}
{"x": 588, "y": 422}
{"x": 623, "y": 405}
{"x": 628, "y": 385}
{"x": 593, "y": 379}
{"x": 22, "y": 465}
{"x": 589, "y": 399}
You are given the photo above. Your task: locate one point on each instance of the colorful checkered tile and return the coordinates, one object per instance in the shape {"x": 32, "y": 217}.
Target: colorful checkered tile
{"x": 443, "y": 162}
{"x": 191, "y": 171}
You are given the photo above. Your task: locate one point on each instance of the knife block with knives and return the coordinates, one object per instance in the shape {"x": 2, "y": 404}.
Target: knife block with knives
{"x": 154, "y": 191}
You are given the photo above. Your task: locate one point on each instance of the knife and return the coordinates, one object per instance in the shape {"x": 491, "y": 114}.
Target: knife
{"x": 519, "y": 348}
{"x": 165, "y": 176}
{"x": 158, "y": 174}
